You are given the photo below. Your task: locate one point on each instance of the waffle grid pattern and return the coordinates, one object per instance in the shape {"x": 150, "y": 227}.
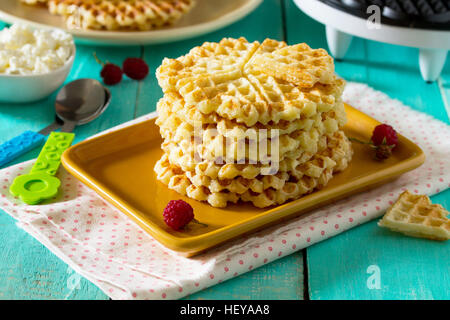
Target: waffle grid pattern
{"x": 416, "y": 216}
{"x": 218, "y": 94}
{"x": 117, "y": 14}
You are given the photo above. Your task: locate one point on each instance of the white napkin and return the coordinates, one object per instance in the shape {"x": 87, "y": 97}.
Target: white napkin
{"x": 106, "y": 247}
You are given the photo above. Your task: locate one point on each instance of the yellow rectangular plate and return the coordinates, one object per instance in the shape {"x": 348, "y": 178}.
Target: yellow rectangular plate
{"x": 119, "y": 167}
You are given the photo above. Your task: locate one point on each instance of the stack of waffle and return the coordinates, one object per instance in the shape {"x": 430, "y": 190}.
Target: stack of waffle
{"x": 256, "y": 122}
{"x": 117, "y": 14}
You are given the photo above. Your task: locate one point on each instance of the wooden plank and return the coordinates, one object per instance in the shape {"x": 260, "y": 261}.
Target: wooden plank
{"x": 281, "y": 279}
{"x": 409, "y": 268}
{"x": 395, "y": 71}
{"x": 29, "y": 271}
{"x": 273, "y": 280}
{"x": 35, "y": 273}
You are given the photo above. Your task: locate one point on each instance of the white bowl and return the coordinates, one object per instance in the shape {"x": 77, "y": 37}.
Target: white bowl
{"x": 34, "y": 87}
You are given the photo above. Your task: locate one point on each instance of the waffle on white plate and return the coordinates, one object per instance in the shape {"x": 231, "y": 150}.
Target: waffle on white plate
{"x": 117, "y": 14}
{"x": 416, "y": 216}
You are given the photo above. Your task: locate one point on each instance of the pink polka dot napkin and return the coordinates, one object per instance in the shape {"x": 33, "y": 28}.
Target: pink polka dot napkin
{"x": 106, "y": 247}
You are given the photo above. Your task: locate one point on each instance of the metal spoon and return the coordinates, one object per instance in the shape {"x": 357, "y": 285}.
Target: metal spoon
{"x": 78, "y": 102}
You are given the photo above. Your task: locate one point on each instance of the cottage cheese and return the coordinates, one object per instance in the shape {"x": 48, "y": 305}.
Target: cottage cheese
{"x": 25, "y": 51}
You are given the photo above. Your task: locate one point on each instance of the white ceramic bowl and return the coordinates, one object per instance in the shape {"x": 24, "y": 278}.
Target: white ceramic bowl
{"x": 31, "y": 88}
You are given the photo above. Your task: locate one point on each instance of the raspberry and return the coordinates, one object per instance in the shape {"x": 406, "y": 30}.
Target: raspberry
{"x": 384, "y": 134}
{"x": 178, "y": 214}
{"x": 135, "y": 68}
{"x": 111, "y": 74}
{"x": 384, "y": 140}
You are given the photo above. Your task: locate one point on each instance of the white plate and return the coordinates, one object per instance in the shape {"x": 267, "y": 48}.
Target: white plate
{"x": 205, "y": 17}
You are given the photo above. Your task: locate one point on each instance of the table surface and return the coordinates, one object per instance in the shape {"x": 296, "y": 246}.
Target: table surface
{"x": 338, "y": 268}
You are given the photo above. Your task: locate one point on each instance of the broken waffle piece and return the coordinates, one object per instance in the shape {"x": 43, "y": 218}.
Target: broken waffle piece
{"x": 416, "y": 216}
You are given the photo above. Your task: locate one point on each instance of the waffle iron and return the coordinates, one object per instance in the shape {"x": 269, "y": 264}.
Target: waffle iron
{"x": 423, "y": 24}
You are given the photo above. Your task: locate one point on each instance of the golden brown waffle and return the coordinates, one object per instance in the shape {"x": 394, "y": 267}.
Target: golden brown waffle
{"x": 172, "y": 103}
{"x": 222, "y": 142}
{"x": 171, "y": 117}
{"x": 262, "y": 191}
{"x": 173, "y": 150}
{"x": 214, "y": 79}
{"x": 414, "y": 215}
{"x": 297, "y": 64}
{"x": 227, "y": 170}
{"x": 34, "y": 2}
{"x": 120, "y": 14}
{"x": 216, "y": 147}
{"x": 221, "y": 58}
{"x": 290, "y": 191}
{"x": 337, "y": 154}
{"x": 313, "y": 168}
{"x": 339, "y": 150}
{"x": 224, "y": 106}
{"x": 240, "y": 185}
{"x": 177, "y": 180}
{"x": 258, "y": 98}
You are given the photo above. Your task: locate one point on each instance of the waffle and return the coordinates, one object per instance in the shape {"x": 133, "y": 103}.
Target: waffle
{"x": 226, "y": 58}
{"x": 176, "y": 179}
{"x": 187, "y": 162}
{"x": 290, "y": 191}
{"x": 180, "y": 182}
{"x": 120, "y": 14}
{"x": 217, "y": 148}
{"x": 259, "y": 98}
{"x": 210, "y": 144}
{"x": 339, "y": 150}
{"x": 218, "y": 141}
{"x": 221, "y": 79}
{"x": 240, "y": 185}
{"x": 239, "y": 152}
{"x": 213, "y": 144}
{"x": 297, "y": 64}
{"x": 262, "y": 191}
{"x": 172, "y": 118}
{"x": 313, "y": 168}
{"x": 259, "y": 123}
{"x": 414, "y": 215}
{"x": 34, "y": 2}
{"x": 317, "y": 100}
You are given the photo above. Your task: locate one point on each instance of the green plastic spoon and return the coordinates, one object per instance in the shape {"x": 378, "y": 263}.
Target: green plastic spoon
{"x": 41, "y": 184}
{"x": 78, "y": 102}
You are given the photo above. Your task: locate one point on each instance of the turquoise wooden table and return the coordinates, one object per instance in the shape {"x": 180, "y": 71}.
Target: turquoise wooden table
{"x": 337, "y": 268}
